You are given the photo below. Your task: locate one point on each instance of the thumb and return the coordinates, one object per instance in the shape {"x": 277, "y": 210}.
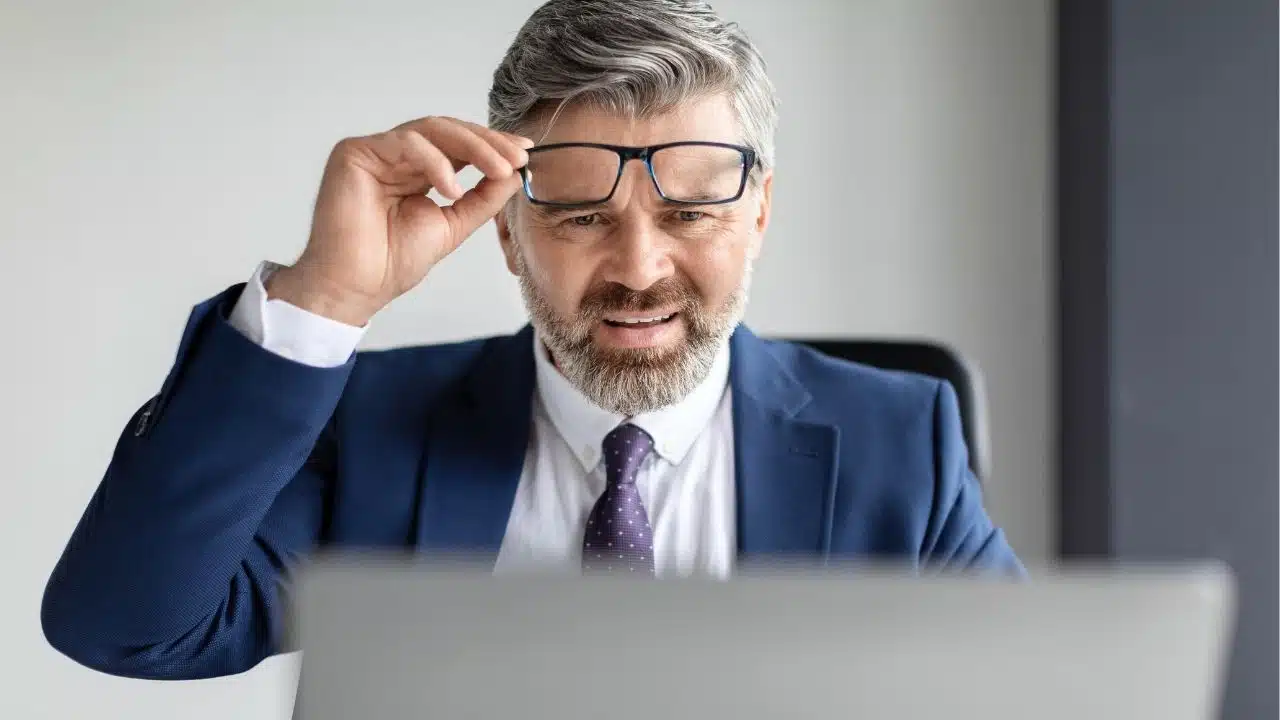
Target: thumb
{"x": 480, "y": 204}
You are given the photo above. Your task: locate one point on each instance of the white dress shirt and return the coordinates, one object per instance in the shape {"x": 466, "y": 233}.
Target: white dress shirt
{"x": 686, "y": 484}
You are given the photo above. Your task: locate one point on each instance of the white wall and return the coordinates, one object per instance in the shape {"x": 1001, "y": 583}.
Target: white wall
{"x": 152, "y": 153}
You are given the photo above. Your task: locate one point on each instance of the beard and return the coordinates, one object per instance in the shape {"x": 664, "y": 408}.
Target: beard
{"x": 631, "y": 381}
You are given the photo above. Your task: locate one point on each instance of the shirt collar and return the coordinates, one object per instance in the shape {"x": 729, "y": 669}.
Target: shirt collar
{"x": 583, "y": 424}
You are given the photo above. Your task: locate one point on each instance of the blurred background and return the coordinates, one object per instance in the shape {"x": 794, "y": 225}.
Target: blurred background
{"x": 1079, "y": 196}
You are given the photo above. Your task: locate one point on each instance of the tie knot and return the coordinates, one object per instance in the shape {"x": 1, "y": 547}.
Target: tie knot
{"x": 625, "y": 447}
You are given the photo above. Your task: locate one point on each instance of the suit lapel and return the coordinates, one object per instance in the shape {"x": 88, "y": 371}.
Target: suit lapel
{"x": 785, "y": 467}
{"x": 475, "y": 451}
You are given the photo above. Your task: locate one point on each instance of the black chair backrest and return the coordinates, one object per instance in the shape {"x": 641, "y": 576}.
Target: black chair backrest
{"x": 926, "y": 358}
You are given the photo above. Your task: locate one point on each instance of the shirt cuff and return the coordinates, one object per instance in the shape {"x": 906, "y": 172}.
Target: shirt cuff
{"x": 289, "y": 331}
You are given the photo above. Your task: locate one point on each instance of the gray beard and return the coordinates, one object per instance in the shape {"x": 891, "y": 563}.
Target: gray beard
{"x": 635, "y": 380}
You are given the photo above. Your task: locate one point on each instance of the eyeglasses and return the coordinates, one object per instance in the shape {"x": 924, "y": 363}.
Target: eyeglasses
{"x": 691, "y": 172}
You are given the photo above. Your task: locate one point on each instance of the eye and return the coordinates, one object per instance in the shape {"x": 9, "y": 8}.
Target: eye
{"x": 585, "y": 220}
{"x": 689, "y": 216}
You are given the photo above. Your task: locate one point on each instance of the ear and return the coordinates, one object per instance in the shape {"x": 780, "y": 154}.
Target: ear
{"x": 505, "y": 239}
{"x": 762, "y": 216}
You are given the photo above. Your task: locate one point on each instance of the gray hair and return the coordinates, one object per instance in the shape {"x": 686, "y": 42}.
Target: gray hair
{"x": 639, "y": 58}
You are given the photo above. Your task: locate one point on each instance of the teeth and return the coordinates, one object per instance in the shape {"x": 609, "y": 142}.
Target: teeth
{"x": 644, "y": 320}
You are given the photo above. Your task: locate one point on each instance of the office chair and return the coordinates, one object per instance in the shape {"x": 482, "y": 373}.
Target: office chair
{"x": 926, "y": 358}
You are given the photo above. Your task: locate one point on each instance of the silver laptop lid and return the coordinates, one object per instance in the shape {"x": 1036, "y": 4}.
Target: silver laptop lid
{"x": 388, "y": 638}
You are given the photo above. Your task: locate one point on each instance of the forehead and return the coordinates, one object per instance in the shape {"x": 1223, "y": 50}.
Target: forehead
{"x": 710, "y": 118}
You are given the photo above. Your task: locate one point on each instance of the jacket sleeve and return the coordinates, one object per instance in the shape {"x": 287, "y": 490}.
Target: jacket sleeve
{"x": 175, "y": 569}
{"x": 960, "y": 534}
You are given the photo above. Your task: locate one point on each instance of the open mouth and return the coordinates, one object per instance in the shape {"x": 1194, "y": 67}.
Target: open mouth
{"x": 642, "y": 322}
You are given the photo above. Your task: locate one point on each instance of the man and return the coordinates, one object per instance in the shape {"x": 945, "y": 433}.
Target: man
{"x": 635, "y": 427}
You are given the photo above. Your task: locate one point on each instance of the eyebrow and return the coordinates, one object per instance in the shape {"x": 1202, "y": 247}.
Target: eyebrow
{"x": 550, "y": 211}
{"x": 700, "y": 199}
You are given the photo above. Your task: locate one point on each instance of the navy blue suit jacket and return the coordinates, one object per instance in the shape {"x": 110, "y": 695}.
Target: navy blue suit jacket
{"x": 245, "y": 461}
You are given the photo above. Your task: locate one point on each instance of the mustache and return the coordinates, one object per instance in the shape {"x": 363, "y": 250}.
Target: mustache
{"x": 615, "y": 297}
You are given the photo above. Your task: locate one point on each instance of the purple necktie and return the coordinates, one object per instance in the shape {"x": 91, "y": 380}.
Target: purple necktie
{"x": 618, "y": 537}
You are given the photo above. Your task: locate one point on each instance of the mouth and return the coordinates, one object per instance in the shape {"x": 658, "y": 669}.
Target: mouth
{"x": 646, "y": 329}
{"x": 639, "y": 322}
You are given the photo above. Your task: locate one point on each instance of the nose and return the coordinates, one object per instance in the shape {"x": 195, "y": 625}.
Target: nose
{"x": 639, "y": 256}
{"x": 639, "y": 252}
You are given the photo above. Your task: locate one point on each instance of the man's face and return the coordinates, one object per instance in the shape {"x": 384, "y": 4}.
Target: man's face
{"x": 634, "y": 297}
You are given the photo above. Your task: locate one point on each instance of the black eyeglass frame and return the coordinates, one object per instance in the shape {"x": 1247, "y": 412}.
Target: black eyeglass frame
{"x": 628, "y": 153}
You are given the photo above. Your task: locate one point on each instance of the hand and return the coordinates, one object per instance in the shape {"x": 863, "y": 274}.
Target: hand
{"x": 375, "y": 234}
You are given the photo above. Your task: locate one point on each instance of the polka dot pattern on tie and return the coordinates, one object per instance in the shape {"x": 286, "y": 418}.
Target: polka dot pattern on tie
{"x": 628, "y": 550}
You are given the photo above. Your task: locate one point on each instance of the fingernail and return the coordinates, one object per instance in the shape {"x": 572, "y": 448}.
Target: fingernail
{"x": 526, "y": 143}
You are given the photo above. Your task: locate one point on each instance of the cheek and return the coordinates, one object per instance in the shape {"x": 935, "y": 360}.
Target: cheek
{"x": 715, "y": 268}
{"x": 560, "y": 272}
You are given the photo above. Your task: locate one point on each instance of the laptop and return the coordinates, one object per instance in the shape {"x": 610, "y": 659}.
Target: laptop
{"x": 406, "y": 638}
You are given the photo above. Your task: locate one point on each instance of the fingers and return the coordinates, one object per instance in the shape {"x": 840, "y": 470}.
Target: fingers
{"x": 413, "y": 165}
{"x": 511, "y": 146}
{"x": 493, "y": 153}
{"x": 480, "y": 204}
{"x": 427, "y": 153}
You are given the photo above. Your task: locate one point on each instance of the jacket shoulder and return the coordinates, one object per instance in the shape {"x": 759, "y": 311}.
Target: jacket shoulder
{"x": 437, "y": 359}
{"x": 900, "y": 450}
{"x": 412, "y": 378}
{"x": 842, "y": 387}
